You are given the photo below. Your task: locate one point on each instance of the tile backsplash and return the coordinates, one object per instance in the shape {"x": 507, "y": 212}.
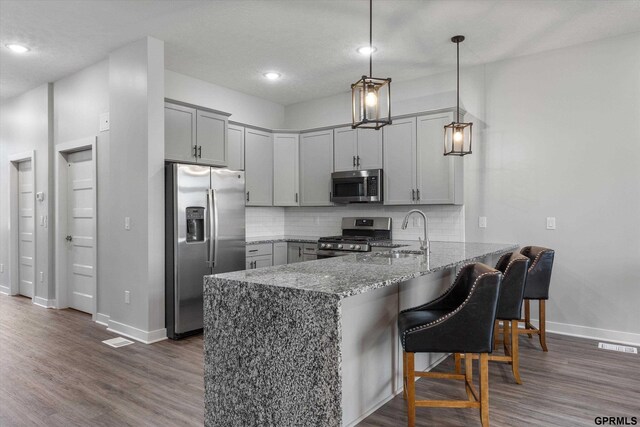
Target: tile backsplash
{"x": 446, "y": 222}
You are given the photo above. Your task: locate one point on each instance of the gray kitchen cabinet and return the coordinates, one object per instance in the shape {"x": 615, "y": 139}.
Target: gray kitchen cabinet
{"x": 235, "y": 136}
{"x": 258, "y": 163}
{"x": 400, "y": 162}
{"x": 295, "y": 252}
{"x": 316, "y": 166}
{"x": 357, "y": 149}
{"x": 309, "y": 252}
{"x": 286, "y": 177}
{"x": 439, "y": 178}
{"x": 280, "y": 253}
{"x": 211, "y": 136}
{"x": 415, "y": 169}
{"x": 180, "y": 133}
{"x": 259, "y": 255}
{"x": 195, "y": 136}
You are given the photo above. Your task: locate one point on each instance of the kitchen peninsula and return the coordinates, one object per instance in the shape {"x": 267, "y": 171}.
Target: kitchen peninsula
{"x": 315, "y": 343}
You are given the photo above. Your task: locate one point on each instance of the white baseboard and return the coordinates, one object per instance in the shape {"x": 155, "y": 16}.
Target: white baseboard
{"x": 5, "y": 290}
{"x": 43, "y": 302}
{"x": 609, "y": 335}
{"x": 102, "y": 319}
{"x": 146, "y": 337}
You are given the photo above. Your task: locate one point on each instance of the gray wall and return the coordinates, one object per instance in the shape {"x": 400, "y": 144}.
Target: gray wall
{"x": 24, "y": 126}
{"x": 555, "y": 134}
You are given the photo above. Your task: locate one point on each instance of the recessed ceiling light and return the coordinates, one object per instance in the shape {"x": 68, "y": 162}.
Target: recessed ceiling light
{"x": 18, "y": 48}
{"x": 366, "y": 50}
{"x": 272, "y": 75}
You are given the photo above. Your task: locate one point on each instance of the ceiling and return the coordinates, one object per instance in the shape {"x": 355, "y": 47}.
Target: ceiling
{"x": 311, "y": 42}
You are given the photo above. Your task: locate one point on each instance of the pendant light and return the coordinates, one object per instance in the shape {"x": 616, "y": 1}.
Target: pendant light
{"x": 371, "y": 96}
{"x": 457, "y": 135}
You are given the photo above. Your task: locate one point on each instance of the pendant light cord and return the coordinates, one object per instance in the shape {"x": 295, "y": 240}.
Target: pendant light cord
{"x": 370, "y": 38}
{"x": 458, "y": 81}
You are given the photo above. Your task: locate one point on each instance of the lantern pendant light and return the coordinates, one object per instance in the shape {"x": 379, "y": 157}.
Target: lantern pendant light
{"x": 457, "y": 135}
{"x": 371, "y": 96}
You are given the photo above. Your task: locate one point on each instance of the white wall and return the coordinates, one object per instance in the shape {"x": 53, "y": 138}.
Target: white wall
{"x": 79, "y": 99}
{"x": 563, "y": 140}
{"x": 136, "y": 104}
{"x": 243, "y": 108}
{"x": 24, "y": 126}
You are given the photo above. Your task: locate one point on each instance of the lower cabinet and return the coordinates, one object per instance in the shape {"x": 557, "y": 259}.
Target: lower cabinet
{"x": 309, "y": 252}
{"x": 295, "y": 252}
{"x": 280, "y": 254}
{"x": 258, "y": 256}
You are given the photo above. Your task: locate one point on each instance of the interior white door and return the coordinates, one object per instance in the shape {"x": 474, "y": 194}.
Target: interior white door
{"x": 26, "y": 244}
{"x": 81, "y": 231}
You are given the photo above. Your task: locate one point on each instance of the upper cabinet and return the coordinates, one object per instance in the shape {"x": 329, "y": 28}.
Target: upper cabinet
{"x": 357, "y": 149}
{"x": 415, "y": 169}
{"x": 258, "y": 162}
{"x": 439, "y": 177}
{"x": 236, "y": 147}
{"x": 195, "y": 136}
{"x": 316, "y": 166}
{"x": 400, "y": 162}
{"x": 285, "y": 170}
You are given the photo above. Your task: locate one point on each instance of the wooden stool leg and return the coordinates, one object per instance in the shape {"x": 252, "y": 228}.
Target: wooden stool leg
{"x": 458, "y": 364}
{"x": 496, "y": 328}
{"x": 484, "y": 389}
{"x": 542, "y": 326}
{"x": 527, "y": 315}
{"x": 505, "y": 337}
{"x": 404, "y": 375}
{"x": 468, "y": 373}
{"x": 411, "y": 391}
{"x": 515, "y": 355}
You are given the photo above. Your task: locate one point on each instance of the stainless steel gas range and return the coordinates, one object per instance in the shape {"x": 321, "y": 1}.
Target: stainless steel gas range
{"x": 357, "y": 235}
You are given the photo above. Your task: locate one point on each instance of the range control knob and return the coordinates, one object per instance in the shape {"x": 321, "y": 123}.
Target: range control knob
{"x": 351, "y": 246}
{"x": 339, "y": 246}
{"x": 358, "y": 247}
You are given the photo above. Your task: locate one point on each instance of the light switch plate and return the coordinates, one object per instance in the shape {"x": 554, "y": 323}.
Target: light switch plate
{"x": 482, "y": 221}
{"x": 551, "y": 223}
{"x": 104, "y": 122}
{"x": 127, "y": 223}
{"x": 1, "y": 268}
{"x": 127, "y": 297}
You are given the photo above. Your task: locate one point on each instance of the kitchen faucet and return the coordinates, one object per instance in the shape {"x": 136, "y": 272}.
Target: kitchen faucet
{"x": 424, "y": 244}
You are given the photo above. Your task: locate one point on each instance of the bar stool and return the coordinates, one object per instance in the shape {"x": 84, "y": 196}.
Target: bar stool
{"x": 514, "y": 267}
{"x": 459, "y": 321}
{"x": 537, "y": 288}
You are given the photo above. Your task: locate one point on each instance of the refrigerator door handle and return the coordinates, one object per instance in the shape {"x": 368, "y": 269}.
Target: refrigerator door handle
{"x": 213, "y": 239}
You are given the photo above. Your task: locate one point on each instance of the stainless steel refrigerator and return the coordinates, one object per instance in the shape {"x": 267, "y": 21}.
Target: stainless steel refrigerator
{"x": 204, "y": 234}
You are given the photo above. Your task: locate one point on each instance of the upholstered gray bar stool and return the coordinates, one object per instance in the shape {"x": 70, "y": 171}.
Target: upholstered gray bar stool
{"x": 537, "y": 288}
{"x": 514, "y": 267}
{"x": 459, "y": 321}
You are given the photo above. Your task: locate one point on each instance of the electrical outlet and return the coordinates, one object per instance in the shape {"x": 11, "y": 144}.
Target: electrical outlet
{"x": 127, "y": 223}
{"x": 482, "y": 221}
{"x": 1, "y": 268}
{"x": 104, "y": 122}
{"x": 41, "y": 276}
{"x": 551, "y": 223}
{"x": 127, "y": 297}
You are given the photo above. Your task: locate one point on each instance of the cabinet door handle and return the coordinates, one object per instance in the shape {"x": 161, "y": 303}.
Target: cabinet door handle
{"x": 195, "y": 151}
{"x": 358, "y": 161}
{"x": 296, "y": 197}
{"x": 247, "y": 196}
{"x": 413, "y": 194}
{"x": 354, "y": 161}
{"x": 200, "y": 151}
{"x": 418, "y": 194}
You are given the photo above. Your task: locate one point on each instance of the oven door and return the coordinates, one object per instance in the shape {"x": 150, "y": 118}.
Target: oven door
{"x": 323, "y": 253}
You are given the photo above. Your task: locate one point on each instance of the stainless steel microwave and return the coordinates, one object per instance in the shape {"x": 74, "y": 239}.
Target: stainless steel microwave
{"x": 363, "y": 186}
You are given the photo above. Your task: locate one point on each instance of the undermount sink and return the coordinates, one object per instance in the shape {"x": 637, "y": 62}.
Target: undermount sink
{"x": 396, "y": 255}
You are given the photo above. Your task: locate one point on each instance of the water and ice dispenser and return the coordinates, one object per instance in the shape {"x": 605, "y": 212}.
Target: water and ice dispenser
{"x": 195, "y": 224}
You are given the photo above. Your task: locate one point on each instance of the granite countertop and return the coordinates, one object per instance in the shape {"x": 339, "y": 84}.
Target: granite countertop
{"x": 288, "y": 238}
{"x": 359, "y": 273}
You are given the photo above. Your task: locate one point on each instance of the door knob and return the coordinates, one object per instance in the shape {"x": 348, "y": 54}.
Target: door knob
{"x": 69, "y": 238}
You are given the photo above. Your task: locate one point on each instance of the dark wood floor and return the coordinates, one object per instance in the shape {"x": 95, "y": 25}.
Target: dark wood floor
{"x": 55, "y": 371}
